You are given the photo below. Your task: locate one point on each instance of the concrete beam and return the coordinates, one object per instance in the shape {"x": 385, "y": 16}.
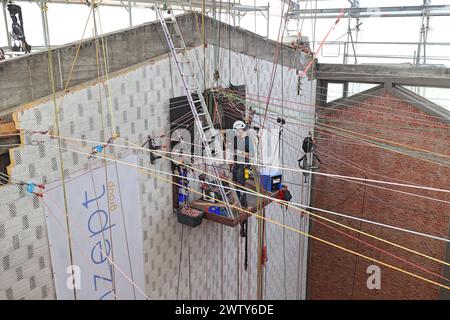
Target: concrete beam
{"x": 407, "y": 75}
{"x": 26, "y": 78}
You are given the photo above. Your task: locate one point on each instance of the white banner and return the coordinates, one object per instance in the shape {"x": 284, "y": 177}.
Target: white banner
{"x": 104, "y": 219}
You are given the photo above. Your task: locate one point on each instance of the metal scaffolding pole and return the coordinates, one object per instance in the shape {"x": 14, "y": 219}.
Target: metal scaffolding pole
{"x": 375, "y": 12}
{"x": 424, "y": 28}
{"x": 268, "y": 15}
{"x": 43, "y": 5}
{"x": 130, "y": 13}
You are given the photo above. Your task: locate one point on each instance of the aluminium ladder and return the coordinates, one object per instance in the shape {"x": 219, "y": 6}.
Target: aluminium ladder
{"x": 198, "y": 106}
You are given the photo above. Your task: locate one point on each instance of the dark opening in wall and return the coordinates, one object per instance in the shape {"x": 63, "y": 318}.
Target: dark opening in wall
{"x": 181, "y": 117}
{"x": 8, "y": 139}
{"x": 229, "y": 110}
{"x": 4, "y": 163}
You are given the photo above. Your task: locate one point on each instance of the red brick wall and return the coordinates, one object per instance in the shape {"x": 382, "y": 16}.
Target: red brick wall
{"x": 334, "y": 274}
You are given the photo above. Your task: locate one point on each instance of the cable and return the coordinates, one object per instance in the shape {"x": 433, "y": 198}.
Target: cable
{"x": 349, "y": 106}
{"x": 104, "y": 253}
{"x": 277, "y": 167}
{"x": 284, "y": 168}
{"x": 251, "y": 213}
{"x": 301, "y": 210}
{"x": 387, "y": 147}
{"x": 56, "y": 120}
{"x": 288, "y": 143}
{"x": 379, "y": 139}
{"x": 179, "y": 263}
{"x": 317, "y": 238}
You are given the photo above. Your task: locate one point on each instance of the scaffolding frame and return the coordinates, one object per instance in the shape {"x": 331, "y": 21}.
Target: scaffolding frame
{"x": 211, "y": 8}
{"x": 354, "y": 11}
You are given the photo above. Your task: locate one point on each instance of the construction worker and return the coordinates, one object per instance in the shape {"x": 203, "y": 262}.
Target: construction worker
{"x": 18, "y": 33}
{"x": 308, "y": 144}
{"x": 153, "y": 146}
{"x": 183, "y": 184}
{"x": 208, "y": 193}
{"x": 238, "y": 170}
{"x": 308, "y": 147}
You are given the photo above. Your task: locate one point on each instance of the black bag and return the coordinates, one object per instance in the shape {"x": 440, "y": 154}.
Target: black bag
{"x": 287, "y": 195}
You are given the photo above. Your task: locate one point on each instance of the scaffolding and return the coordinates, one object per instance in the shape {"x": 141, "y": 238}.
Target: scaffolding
{"x": 355, "y": 14}
{"x": 213, "y": 8}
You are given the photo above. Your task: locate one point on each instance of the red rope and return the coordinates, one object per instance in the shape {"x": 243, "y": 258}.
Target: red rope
{"x": 341, "y": 14}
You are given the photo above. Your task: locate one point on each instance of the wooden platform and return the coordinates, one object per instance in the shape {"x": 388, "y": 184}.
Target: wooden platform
{"x": 203, "y": 206}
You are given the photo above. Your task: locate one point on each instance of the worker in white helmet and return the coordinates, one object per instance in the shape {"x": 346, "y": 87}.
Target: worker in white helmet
{"x": 238, "y": 170}
{"x": 238, "y": 125}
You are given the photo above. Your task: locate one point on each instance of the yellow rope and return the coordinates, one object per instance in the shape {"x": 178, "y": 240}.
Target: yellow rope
{"x": 74, "y": 61}
{"x": 302, "y": 210}
{"x": 389, "y": 141}
{"x": 57, "y": 108}
{"x": 97, "y": 60}
{"x": 337, "y": 131}
{"x": 290, "y": 205}
{"x": 106, "y": 67}
{"x": 151, "y": 172}
{"x": 56, "y": 119}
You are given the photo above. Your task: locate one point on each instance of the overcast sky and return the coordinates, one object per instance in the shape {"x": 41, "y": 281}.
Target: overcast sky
{"x": 67, "y": 22}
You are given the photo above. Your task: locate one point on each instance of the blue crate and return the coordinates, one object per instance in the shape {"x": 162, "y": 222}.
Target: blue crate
{"x": 271, "y": 183}
{"x": 182, "y": 198}
{"x": 217, "y": 210}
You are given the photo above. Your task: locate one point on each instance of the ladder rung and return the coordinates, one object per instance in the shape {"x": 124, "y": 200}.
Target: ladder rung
{"x": 184, "y": 61}
{"x": 206, "y": 128}
{"x": 211, "y": 141}
{"x": 202, "y": 114}
{"x": 179, "y": 49}
{"x": 188, "y": 74}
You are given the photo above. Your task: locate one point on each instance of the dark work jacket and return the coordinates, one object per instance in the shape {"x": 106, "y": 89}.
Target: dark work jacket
{"x": 307, "y": 145}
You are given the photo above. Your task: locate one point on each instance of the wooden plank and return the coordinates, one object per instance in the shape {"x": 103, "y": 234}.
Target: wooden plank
{"x": 230, "y": 222}
{"x": 7, "y": 128}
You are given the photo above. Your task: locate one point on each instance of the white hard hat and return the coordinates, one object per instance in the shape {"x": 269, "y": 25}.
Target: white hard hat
{"x": 238, "y": 125}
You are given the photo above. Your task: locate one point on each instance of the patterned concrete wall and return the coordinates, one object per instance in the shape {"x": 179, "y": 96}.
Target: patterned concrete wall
{"x": 212, "y": 255}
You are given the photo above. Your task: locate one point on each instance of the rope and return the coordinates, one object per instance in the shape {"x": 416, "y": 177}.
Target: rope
{"x": 100, "y": 76}
{"x": 56, "y": 119}
{"x": 309, "y": 213}
{"x": 338, "y": 130}
{"x": 72, "y": 67}
{"x": 113, "y": 135}
{"x": 318, "y": 209}
{"x": 103, "y": 252}
{"x": 179, "y": 264}
{"x": 350, "y": 178}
